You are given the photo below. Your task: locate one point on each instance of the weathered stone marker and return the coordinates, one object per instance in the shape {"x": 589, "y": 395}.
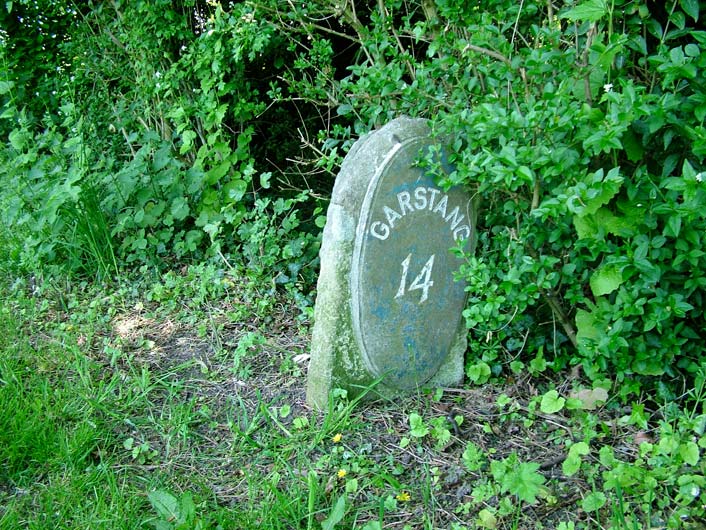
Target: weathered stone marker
{"x": 387, "y": 305}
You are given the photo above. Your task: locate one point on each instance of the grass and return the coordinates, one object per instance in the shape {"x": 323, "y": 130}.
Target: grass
{"x": 142, "y": 408}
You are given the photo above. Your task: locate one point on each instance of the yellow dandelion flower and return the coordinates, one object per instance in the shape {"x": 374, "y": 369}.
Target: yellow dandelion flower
{"x": 342, "y": 473}
{"x": 403, "y": 497}
{"x": 337, "y": 438}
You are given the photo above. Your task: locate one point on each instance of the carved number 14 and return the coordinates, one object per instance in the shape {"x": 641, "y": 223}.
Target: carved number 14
{"x": 423, "y": 280}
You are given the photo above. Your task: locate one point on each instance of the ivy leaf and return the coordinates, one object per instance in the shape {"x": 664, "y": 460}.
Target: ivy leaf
{"x": 552, "y": 402}
{"x": 524, "y": 481}
{"x": 606, "y": 279}
{"x": 592, "y": 11}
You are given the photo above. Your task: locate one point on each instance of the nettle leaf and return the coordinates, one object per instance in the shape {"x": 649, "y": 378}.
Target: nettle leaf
{"x": 524, "y": 481}
{"x": 592, "y": 11}
{"x": 606, "y": 279}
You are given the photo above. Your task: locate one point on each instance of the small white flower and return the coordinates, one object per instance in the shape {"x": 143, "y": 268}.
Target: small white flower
{"x": 608, "y": 87}
{"x": 699, "y": 177}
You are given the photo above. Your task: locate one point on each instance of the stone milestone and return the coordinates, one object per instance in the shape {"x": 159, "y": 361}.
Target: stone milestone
{"x": 388, "y": 308}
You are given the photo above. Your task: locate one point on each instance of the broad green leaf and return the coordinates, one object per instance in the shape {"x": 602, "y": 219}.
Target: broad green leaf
{"x": 691, "y": 8}
{"x": 524, "y": 481}
{"x": 592, "y": 11}
{"x": 673, "y": 226}
{"x": 417, "y": 428}
{"x": 689, "y": 453}
{"x": 606, "y": 279}
{"x": 473, "y": 457}
{"x": 18, "y": 139}
{"x": 486, "y": 519}
{"x": 552, "y": 402}
{"x": 187, "y": 138}
{"x": 344, "y": 109}
{"x": 265, "y": 179}
{"x": 525, "y": 173}
{"x": 539, "y": 363}
{"x": 608, "y": 188}
{"x": 180, "y": 208}
{"x": 633, "y": 146}
{"x": 165, "y": 504}
{"x": 586, "y": 327}
{"x": 188, "y": 508}
{"x": 593, "y": 501}
{"x": 5, "y": 87}
{"x": 161, "y": 158}
{"x": 585, "y": 227}
{"x": 216, "y": 173}
{"x": 235, "y": 189}
{"x": 336, "y": 515}
{"x": 591, "y": 399}
{"x": 573, "y": 460}
{"x": 479, "y": 372}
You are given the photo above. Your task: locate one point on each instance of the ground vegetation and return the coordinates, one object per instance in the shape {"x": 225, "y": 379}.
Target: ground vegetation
{"x": 165, "y": 169}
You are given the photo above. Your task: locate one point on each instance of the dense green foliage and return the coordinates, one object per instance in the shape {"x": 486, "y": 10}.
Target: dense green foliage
{"x": 154, "y": 133}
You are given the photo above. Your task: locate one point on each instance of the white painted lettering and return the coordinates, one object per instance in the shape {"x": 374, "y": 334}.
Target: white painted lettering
{"x": 441, "y": 206}
{"x": 454, "y": 214}
{"x": 434, "y": 193}
{"x": 422, "y": 282}
{"x": 424, "y": 198}
{"x": 420, "y": 194}
{"x": 384, "y": 232}
{"x": 403, "y": 200}
{"x": 465, "y": 230}
{"x": 391, "y": 216}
